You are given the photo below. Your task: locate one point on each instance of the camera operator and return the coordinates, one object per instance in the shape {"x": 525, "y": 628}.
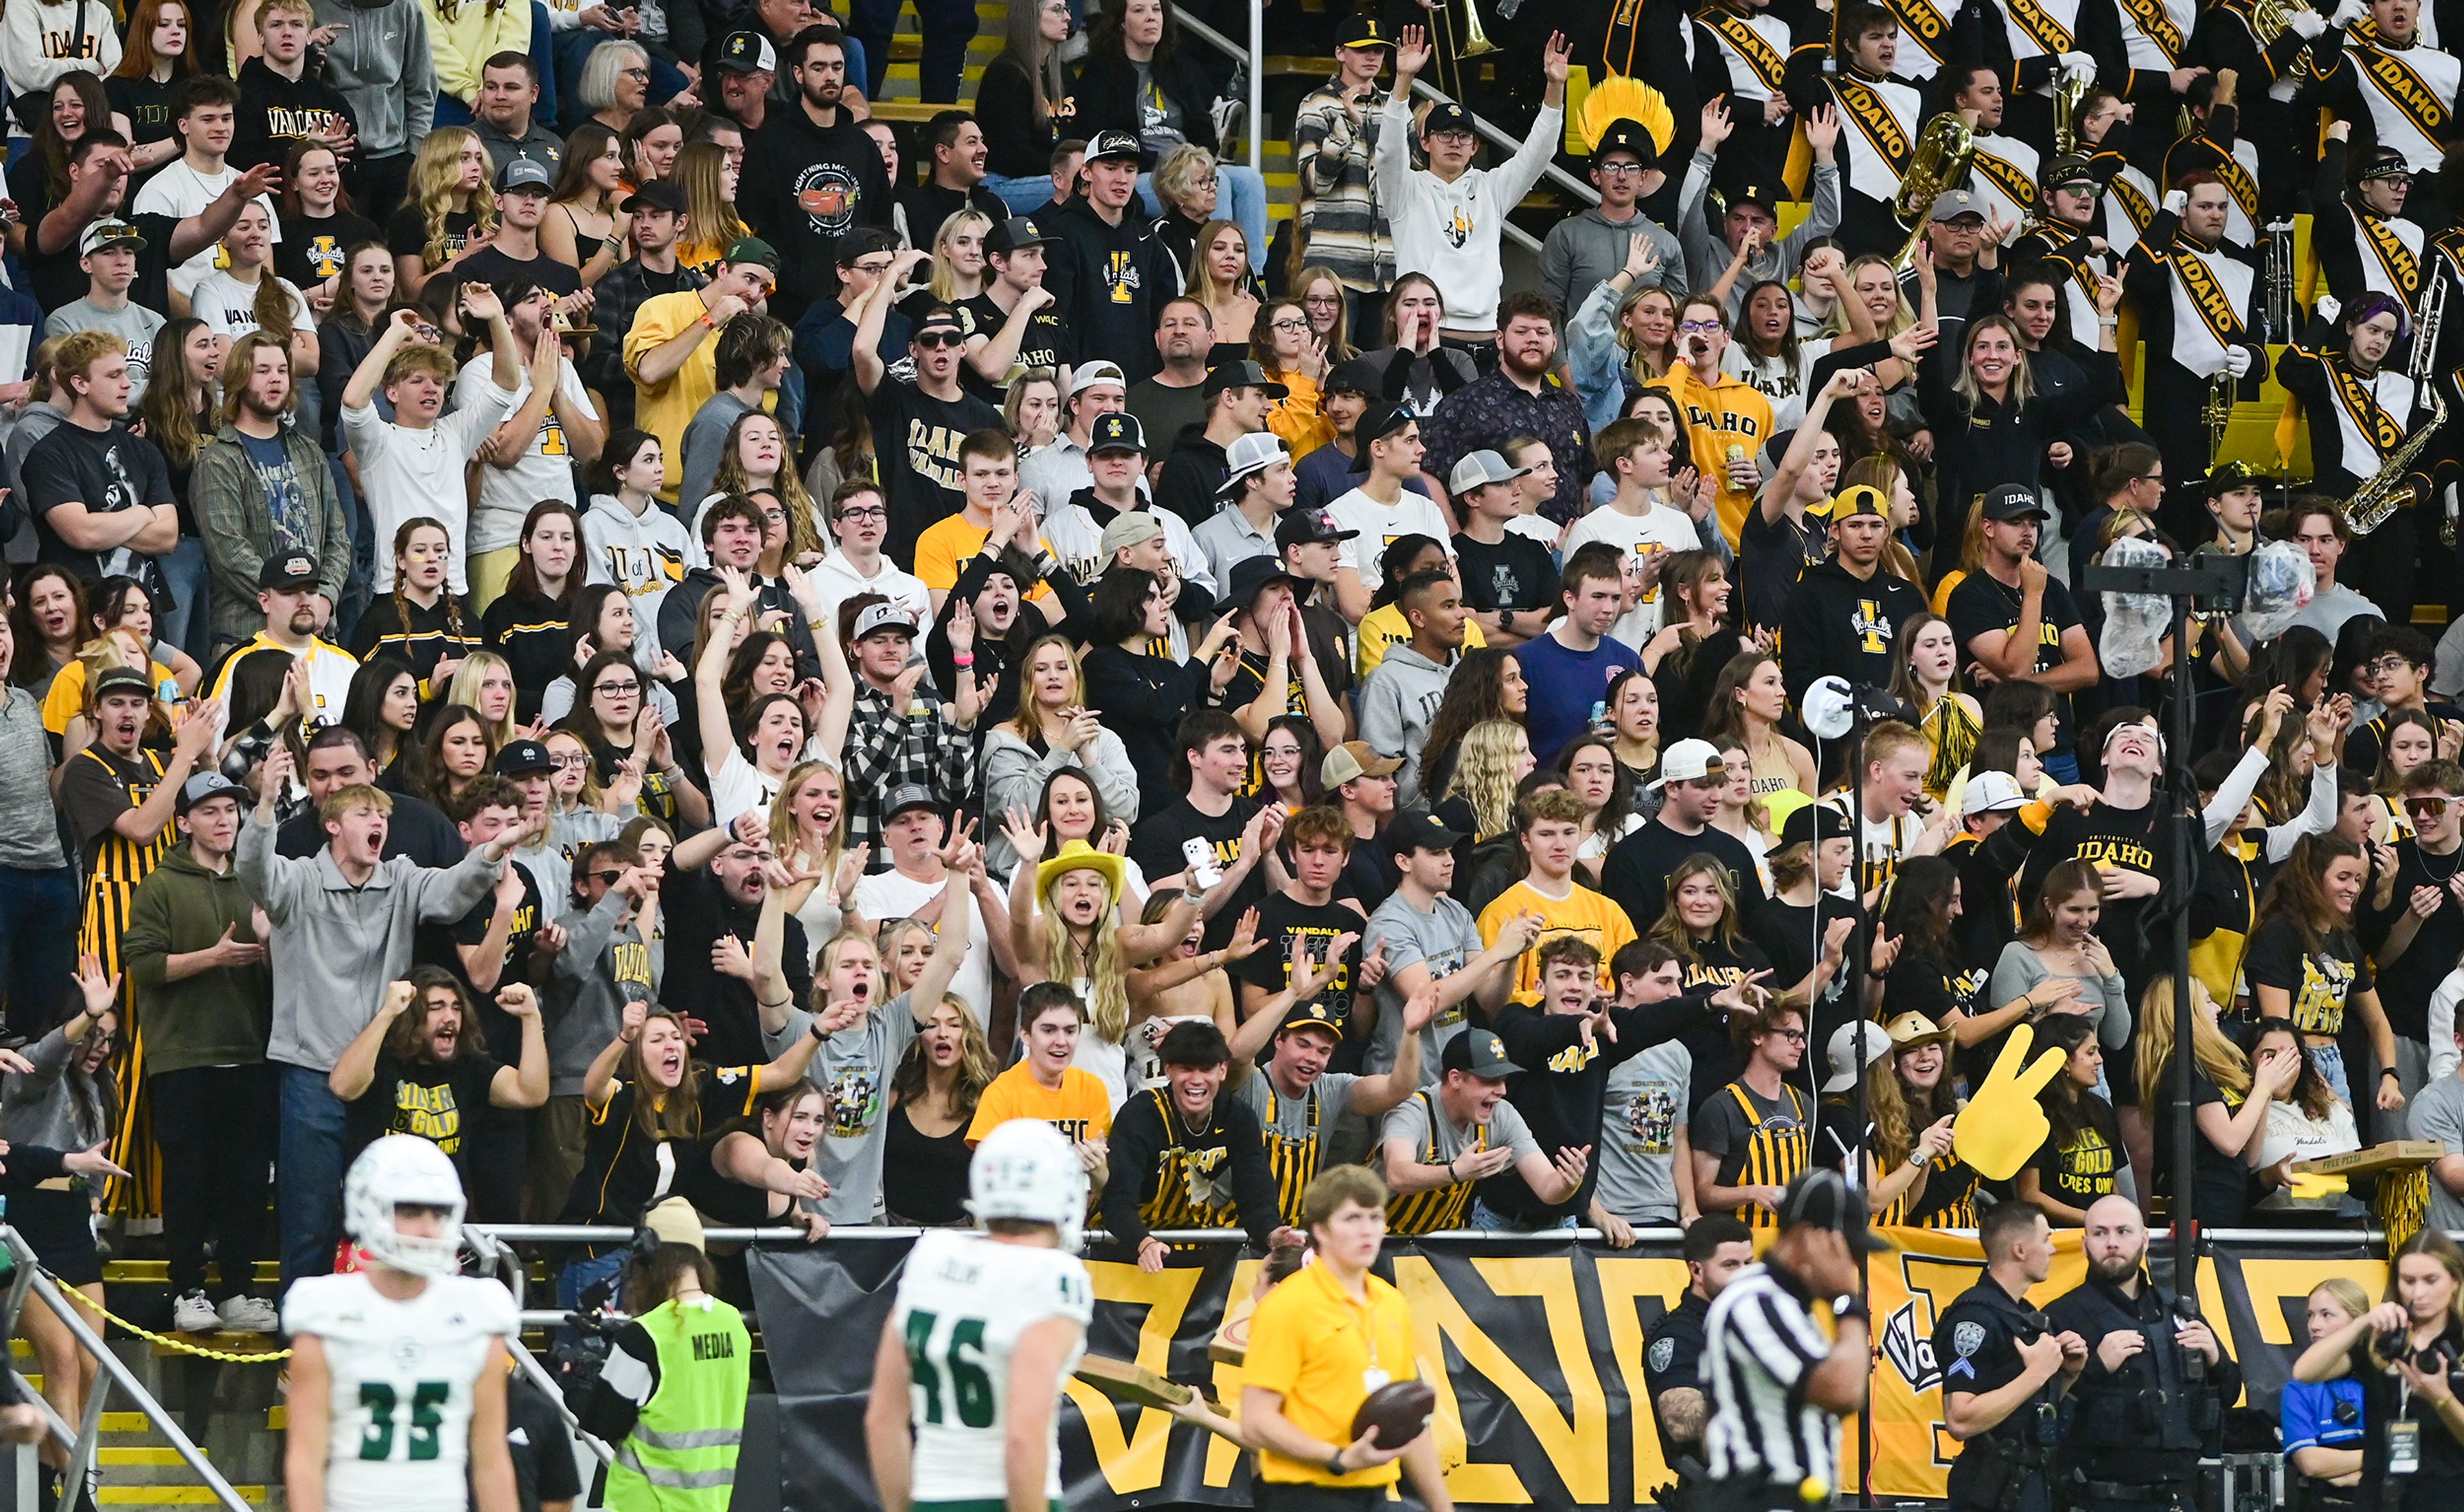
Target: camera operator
{"x": 2006, "y": 1370}
{"x": 2405, "y": 1352}
{"x": 2152, "y": 1396}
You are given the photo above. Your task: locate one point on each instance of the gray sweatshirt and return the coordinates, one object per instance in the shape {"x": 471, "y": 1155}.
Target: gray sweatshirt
{"x": 604, "y": 966}
{"x": 54, "y": 1107}
{"x": 1707, "y": 256}
{"x": 337, "y": 946}
{"x": 1397, "y": 705}
{"x": 382, "y": 66}
{"x": 1583, "y": 251}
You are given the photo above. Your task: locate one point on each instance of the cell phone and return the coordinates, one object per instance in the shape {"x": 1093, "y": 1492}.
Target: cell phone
{"x": 1202, "y": 870}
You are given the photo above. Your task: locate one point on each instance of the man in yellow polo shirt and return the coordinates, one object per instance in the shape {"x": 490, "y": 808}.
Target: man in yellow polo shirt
{"x": 672, "y": 350}
{"x": 1319, "y": 1344}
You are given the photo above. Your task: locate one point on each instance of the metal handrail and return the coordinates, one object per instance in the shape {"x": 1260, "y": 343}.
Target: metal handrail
{"x": 30, "y": 1281}
{"x": 576, "y": 1234}
{"x": 1255, "y": 127}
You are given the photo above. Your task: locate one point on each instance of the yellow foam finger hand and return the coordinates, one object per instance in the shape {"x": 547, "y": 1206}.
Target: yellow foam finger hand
{"x": 2002, "y": 1125}
{"x": 2309, "y": 1186}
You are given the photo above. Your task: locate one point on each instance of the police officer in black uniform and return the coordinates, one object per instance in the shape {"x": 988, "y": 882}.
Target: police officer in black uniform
{"x": 2151, "y": 1398}
{"x": 1717, "y": 1247}
{"x": 2006, "y": 1370}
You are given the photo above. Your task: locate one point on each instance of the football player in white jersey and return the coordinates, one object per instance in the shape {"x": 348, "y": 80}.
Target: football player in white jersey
{"x": 966, "y": 1386}
{"x": 397, "y": 1388}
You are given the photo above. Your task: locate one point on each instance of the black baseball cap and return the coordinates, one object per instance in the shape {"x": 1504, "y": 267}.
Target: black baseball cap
{"x": 1376, "y": 423}
{"x": 1114, "y": 145}
{"x": 1251, "y": 576}
{"x": 748, "y": 53}
{"x": 1811, "y": 822}
{"x": 1628, "y": 137}
{"x": 940, "y": 319}
{"x": 1355, "y": 375}
{"x": 292, "y": 570}
{"x": 1019, "y": 231}
{"x": 1118, "y": 430}
{"x": 520, "y": 758}
{"x": 1445, "y": 116}
{"x": 1312, "y": 1014}
{"x": 1303, "y": 527}
{"x": 1763, "y": 195}
{"x": 120, "y": 680}
{"x": 1246, "y": 374}
{"x": 2226, "y": 476}
{"x": 1481, "y": 1053}
{"x": 657, "y": 194}
{"x": 2013, "y": 501}
{"x": 1365, "y": 29}
{"x": 1821, "y": 1198}
{"x": 1419, "y": 830}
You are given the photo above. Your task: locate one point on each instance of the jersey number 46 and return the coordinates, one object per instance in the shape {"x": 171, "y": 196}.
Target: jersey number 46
{"x": 959, "y": 1358}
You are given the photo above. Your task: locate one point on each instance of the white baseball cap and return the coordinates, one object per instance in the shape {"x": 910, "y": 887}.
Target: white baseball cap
{"x": 1688, "y": 760}
{"x": 1992, "y": 791}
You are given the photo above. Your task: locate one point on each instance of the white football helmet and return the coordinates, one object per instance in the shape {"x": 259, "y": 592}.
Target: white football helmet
{"x": 401, "y": 1169}
{"x": 1025, "y": 1169}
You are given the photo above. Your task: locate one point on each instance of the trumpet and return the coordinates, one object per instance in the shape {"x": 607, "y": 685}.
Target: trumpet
{"x": 1939, "y": 162}
{"x": 1474, "y": 42}
{"x": 2068, "y": 92}
{"x": 2218, "y": 415}
{"x": 2423, "y": 366}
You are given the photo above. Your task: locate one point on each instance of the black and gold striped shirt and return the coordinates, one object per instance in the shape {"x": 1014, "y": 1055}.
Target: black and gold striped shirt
{"x": 1167, "y": 1174}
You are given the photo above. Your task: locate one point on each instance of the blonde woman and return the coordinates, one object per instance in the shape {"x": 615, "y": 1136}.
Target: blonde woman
{"x": 2422, "y": 1320}
{"x": 1052, "y": 730}
{"x": 615, "y": 83}
{"x": 932, "y": 1099}
{"x": 1032, "y": 410}
{"x": 451, "y": 212}
{"x": 1064, "y": 927}
{"x": 1496, "y": 756}
{"x": 1326, "y": 302}
{"x": 1625, "y": 328}
{"x": 1218, "y": 277}
{"x": 2228, "y": 1097}
{"x": 484, "y": 681}
{"x": 958, "y": 264}
{"x": 809, "y": 835}
{"x": 708, "y": 175}
{"x": 2324, "y": 1433}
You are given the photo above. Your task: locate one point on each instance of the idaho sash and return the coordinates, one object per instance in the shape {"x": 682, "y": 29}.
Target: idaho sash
{"x": 2004, "y": 171}
{"x": 2152, "y": 31}
{"x": 1757, "y": 62}
{"x": 2038, "y": 27}
{"x": 2129, "y": 208}
{"x": 2209, "y": 293}
{"x": 1886, "y": 115}
{"x": 1925, "y": 37}
{"x": 2394, "y": 264}
{"x": 2412, "y": 97}
{"x": 2367, "y": 414}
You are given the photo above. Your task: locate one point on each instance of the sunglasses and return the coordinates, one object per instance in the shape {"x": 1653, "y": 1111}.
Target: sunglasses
{"x": 607, "y": 877}
{"x": 932, "y": 339}
{"x": 2431, "y": 807}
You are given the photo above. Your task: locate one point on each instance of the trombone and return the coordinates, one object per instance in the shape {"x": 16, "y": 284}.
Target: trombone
{"x": 1475, "y": 43}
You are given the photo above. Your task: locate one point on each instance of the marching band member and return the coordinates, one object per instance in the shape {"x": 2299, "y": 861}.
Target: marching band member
{"x": 2213, "y": 145}
{"x": 2002, "y": 170}
{"x": 2041, "y": 41}
{"x": 2131, "y": 196}
{"x": 1755, "y": 42}
{"x": 2360, "y": 409}
{"x": 2197, "y": 297}
{"x": 2226, "y": 40}
{"x": 2374, "y": 64}
{"x": 2065, "y": 237}
{"x": 2155, "y": 47}
{"x": 1882, "y": 117}
{"x": 2364, "y": 243}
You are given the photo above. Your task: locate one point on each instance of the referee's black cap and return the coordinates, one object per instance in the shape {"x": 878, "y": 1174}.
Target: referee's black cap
{"x": 1823, "y": 1199}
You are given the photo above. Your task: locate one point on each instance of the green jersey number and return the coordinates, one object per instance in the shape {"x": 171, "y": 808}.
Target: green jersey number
{"x": 379, "y": 1397}
{"x": 969, "y": 1388}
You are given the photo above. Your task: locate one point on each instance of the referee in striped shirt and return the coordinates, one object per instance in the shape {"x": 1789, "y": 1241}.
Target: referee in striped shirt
{"x": 1779, "y": 1379}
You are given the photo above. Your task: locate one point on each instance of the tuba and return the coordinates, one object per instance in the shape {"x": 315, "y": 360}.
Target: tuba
{"x": 2268, "y": 19}
{"x": 1939, "y": 163}
{"x": 2383, "y": 492}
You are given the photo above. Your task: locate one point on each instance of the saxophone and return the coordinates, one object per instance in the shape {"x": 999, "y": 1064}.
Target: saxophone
{"x": 1939, "y": 162}
{"x": 2386, "y": 490}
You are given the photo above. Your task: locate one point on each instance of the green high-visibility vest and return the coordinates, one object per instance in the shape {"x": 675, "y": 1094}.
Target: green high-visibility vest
{"x": 681, "y": 1453}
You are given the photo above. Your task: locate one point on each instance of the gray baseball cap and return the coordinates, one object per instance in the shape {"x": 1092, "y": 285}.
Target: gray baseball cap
{"x": 1480, "y": 469}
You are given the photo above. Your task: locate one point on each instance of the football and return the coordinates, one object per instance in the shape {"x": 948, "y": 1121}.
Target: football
{"x": 1396, "y": 1411}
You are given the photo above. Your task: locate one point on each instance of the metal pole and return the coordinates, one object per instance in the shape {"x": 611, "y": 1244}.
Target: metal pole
{"x": 1257, "y": 87}
{"x": 2182, "y": 792}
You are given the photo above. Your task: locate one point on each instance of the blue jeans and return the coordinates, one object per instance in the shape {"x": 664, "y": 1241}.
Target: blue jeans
{"x": 1489, "y": 1220}
{"x": 38, "y": 930}
{"x": 2330, "y": 1061}
{"x": 451, "y": 111}
{"x": 308, "y": 1195}
{"x": 191, "y": 624}
{"x": 1023, "y": 196}
{"x": 543, "y": 59}
{"x": 1240, "y": 198}
{"x": 947, "y": 25}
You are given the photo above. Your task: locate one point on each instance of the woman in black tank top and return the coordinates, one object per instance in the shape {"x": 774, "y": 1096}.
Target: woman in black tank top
{"x": 757, "y": 1171}
{"x": 933, "y": 1100}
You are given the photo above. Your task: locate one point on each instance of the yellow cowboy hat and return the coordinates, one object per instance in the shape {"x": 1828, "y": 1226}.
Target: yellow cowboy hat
{"x": 1077, "y": 856}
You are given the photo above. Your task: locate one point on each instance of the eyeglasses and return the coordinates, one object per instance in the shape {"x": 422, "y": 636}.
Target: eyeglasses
{"x": 865, "y": 512}
{"x": 2426, "y": 807}
{"x": 1615, "y": 170}
{"x": 932, "y": 339}
{"x": 572, "y": 761}
{"x": 1794, "y": 1037}
{"x": 1288, "y": 325}
{"x": 2387, "y": 664}
{"x": 1324, "y": 301}
{"x": 616, "y": 690}
{"x": 636, "y": 73}
{"x": 873, "y": 268}
{"x": 1201, "y": 186}
{"x": 1703, "y": 326}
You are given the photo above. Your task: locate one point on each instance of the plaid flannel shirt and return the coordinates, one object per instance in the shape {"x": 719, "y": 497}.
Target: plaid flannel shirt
{"x": 886, "y": 750}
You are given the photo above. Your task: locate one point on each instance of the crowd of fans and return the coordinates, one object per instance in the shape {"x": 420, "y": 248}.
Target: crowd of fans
{"x": 580, "y": 598}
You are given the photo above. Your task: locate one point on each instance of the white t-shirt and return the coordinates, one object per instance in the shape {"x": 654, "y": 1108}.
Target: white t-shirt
{"x": 737, "y": 785}
{"x": 229, "y": 307}
{"x": 544, "y": 471}
{"x": 839, "y": 581}
{"x": 1380, "y": 525}
{"x": 178, "y": 190}
{"x": 405, "y": 473}
{"x": 1656, "y": 531}
{"x": 887, "y": 895}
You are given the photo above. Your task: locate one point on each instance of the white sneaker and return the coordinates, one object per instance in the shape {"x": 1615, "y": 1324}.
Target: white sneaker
{"x": 194, "y": 1314}
{"x": 250, "y": 1315}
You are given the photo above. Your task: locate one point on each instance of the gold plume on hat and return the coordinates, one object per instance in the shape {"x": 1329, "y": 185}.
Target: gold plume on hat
{"x": 1617, "y": 98}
